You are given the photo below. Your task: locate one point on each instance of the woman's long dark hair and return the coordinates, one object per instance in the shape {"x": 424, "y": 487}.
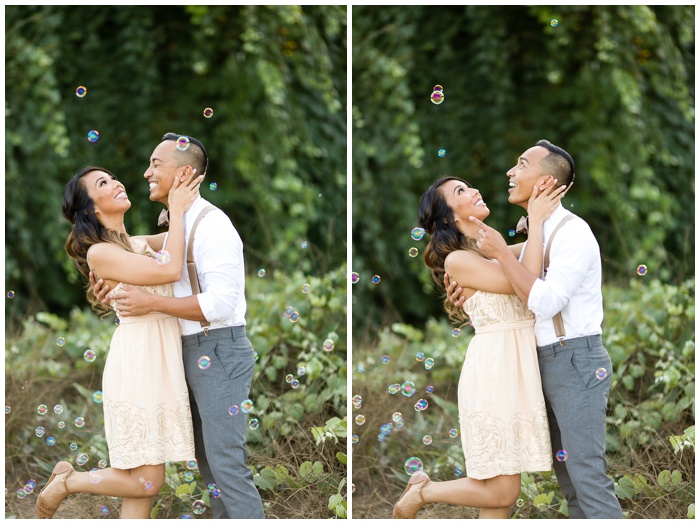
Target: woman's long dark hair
{"x": 437, "y": 218}
{"x": 79, "y": 209}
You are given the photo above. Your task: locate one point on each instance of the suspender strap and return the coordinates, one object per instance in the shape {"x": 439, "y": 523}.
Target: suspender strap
{"x": 191, "y": 268}
{"x": 557, "y": 320}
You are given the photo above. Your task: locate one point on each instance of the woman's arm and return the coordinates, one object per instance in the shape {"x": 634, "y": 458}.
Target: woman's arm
{"x": 473, "y": 271}
{"x": 155, "y": 241}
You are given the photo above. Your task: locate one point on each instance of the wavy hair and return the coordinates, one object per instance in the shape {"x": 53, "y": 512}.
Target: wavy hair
{"x": 437, "y": 218}
{"x": 79, "y": 209}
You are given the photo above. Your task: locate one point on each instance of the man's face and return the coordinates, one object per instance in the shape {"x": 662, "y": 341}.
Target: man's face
{"x": 525, "y": 175}
{"x": 162, "y": 171}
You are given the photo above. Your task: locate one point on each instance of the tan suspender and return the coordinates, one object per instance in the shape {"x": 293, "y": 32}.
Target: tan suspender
{"x": 557, "y": 320}
{"x": 191, "y": 268}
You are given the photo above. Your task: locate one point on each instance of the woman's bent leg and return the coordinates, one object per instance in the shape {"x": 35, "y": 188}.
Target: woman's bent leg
{"x": 499, "y": 513}
{"x": 136, "y": 508}
{"x": 141, "y": 482}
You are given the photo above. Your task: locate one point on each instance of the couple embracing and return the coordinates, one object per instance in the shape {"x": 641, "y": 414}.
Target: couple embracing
{"x": 180, "y": 364}
{"x": 536, "y": 376}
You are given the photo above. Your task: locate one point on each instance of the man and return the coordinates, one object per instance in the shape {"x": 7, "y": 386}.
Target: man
{"x": 574, "y": 364}
{"x": 219, "y": 359}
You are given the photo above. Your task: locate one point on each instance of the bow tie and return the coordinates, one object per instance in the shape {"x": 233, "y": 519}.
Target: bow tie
{"x": 163, "y": 218}
{"x": 522, "y": 225}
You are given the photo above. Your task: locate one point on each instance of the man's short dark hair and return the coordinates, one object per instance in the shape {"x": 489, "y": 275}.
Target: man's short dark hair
{"x": 195, "y": 155}
{"x": 557, "y": 163}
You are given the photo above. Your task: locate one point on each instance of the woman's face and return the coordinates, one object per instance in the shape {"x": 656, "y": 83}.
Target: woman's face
{"x": 465, "y": 201}
{"x": 107, "y": 194}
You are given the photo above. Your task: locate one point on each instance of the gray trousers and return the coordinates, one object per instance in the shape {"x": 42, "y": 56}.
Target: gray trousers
{"x": 219, "y": 437}
{"x": 576, "y": 394}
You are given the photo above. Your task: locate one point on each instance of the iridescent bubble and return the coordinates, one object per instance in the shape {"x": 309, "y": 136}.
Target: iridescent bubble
{"x": 28, "y": 489}
{"x": 385, "y": 429}
{"x": 394, "y": 388}
{"x": 117, "y": 321}
{"x": 304, "y": 244}
{"x": 213, "y": 186}
{"x": 417, "y": 233}
{"x": 97, "y": 397}
{"x": 429, "y": 389}
{"x": 554, "y": 22}
{"x": 456, "y": 332}
{"x": 412, "y": 465}
{"x": 40, "y": 431}
{"x": 385, "y": 359}
{"x": 82, "y": 459}
{"x": 256, "y": 356}
{"x": 355, "y": 278}
{"x": 601, "y": 373}
{"x": 397, "y": 416}
{"x": 427, "y": 440}
{"x": 458, "y": 472}
{"x": 399, "y": 423}
{"x": 73, "y": 446}
{"x": 357, "y": 399}
{"x": 186, "y": 516}
{"x": 641, "y": 270}
{"x": 413, "y": 252}
{"x": 453, "y": 433}
{"x": 420, "y": 356}
{"x": 301, "y": 371}
{"x": 8, "y": 410}
{"x": 148, "y": 485}
{"x": 437, "y": 88}
{"x": 51, "y": 441}
{"x": 89, "y": 355}
{"x": 247, "y": 406}
{"x": 21, "y": 493}
{"x": 81, "y": 91}
{"x": 441, "y": 153}
{"x": 191, "y": 464}
{"x": 32, "y": 483}
{"x": 233, "y": 410}
{"x": 183, "y": 143}
{"x": 42, "y": 409}
{"x": 408, "y": 388}
{"x": 94, "y": 476}
{"x": 328, "y": 345}
{"x": 376, "y": 279}
{"x": 216, "y": 493}
{"x": 295, "y": 384}
{"x": 198, "y": 507}
{"x": 381, "y": 437}
{"x": 305, "y": 288}
{"x": 163, "y": 257}
{"x": 294, "y": 316}
{"x": 102, "y": 464}
{"x": 204, "y": 362}
{"x": 61, "y": 425}
{"x": 188, "y": 476}
{"x": 437, "y": 97}
{"x": 211, "y": 487}
{"x": 10, "y": 294}
{"x": 288, "y": 311}
{"x": 261, "y": 273}
{"x": 60, "y": 341}
{"x": 511, "y": 233}
{"x": 429, "y": 363}
{"x": 208, "y": 112}
{"x": 520, "y": 503}
{"x": 562, "y": 455}
{"x": 93, "y": 135}
{"x": 360, "y": 368}
{"x": 360, "y": 420}
{"x": 79, "y": 422}
{"x": 289, "y": 378}
{"x": 104, "y": 510}
{"x": 355, "y": 439}
{"x": 58, "y": 409}
{"x": 421, "y": 405}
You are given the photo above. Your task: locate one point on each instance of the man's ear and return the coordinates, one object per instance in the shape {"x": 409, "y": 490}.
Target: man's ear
{"x": 187, "y": 172}
{"x": 547, "y": 182}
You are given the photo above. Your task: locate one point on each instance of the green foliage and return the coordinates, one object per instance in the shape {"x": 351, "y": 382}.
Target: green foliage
{"x": 649, "y": 333}
{"x": 275, "y": 77}
{"x": 297, "y": 454}
{"x": 613, "y": 85}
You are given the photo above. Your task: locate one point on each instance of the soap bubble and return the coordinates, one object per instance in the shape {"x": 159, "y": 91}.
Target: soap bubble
{"x": 204, "y": 362}
{"x": 104, "y": 510}
{"x": 295, "y": 384}
{"x": 413, "y": 252}
{"x": 10, "y": 294}
{"x": 93, "y": 135}
{"x": 328, "y": 345}
{"x": 73, "y": 446}
{"x": 562, "y": 455}
{"x": 355, "y": 278}
{"x": 355, "y": 439}
{"x": 183, "y": 143}
{"x": 417, "y": 233}
{"x": 441, "y": 153}
{"x": 413, "y": 465}
{"x": 61, "y": 425}
{"x": 102, "y": 464}
{"x": 385, "y": 359}
{"x": 254, "y": 424}
{"x": 58, "y": 409}
{"x": 456, "y": 332}
{"x": 97, "y": 397}
{"x": 641, "y": 270}
{"x": 511, "y": 233}
{"x": 394, "y": 388}
{"x": 453, "y": 433}
{"x": 261, "y": 273}
{"x": 437, "y": 88}
{"x": 601, "y": 373}
{"x": 408, "y": 388}
{"x": 420, "y": 356}
{"x": 429, "y": 389}
{"x": 198, "y": 507}
{"x": 79, "y": 422}
{"x": 554, "y": 22}
{"x": 304, "y": 244}
{"x": 82, "y": 459}
{"x": 213, "y": 186}
{"x": 208, "y": 112}
{"x": 520, "y": 503}
{"x": 305, "y": 288}
{"x": 429, "y": 363}
{"x": 188, "y": 476}
{"x": 8, "y": 410}
{"x": 421, "y": 405}
{"x": 289, "y": 378}
{"x": 163, "y": 257}
{"x": 247, "y": 406}
{"x": 39, "y": 431}
{"x": 233, "y": 410}
{"x": 89, "y": 355}
{"x": 191, "y": 464}
{"x": 42, "y": 409}
{"x": 81, "y": 91}
{"x": 427, "y": 440}
{"x": 60, "y": 341}
{"x": 437, "y": 97}
{"x": 360, "y": 420}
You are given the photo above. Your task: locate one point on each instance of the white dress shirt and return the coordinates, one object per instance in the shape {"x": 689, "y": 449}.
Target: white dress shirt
{"x": 572, "y": 284}
{"x": 218, "y": 255}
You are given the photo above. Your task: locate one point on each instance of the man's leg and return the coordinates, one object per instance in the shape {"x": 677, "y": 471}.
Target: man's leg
{"x": 225, "y": 383}
{"x": 578, "y": 399}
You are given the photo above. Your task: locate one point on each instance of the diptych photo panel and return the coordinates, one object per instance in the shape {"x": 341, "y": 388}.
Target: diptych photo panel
{"x": 349, "y": 262}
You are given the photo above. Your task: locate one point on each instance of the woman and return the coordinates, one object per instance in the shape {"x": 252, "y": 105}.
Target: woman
{"x": 145, "y": 397}
{"x": 503, "y": 418}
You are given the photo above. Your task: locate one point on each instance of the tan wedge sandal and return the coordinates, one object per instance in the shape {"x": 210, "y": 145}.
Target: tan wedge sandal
{"x": 45, "y": 510}
{"x": 420, "y": 478}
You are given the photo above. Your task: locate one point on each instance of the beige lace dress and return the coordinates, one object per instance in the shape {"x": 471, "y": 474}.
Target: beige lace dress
{"x": 145, "y": 397}
{"x": 503, "y": 418}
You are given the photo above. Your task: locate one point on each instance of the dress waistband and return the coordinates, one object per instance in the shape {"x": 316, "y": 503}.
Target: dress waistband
{"x": 504, "y": 326}
{"x": 143, "y": 318}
